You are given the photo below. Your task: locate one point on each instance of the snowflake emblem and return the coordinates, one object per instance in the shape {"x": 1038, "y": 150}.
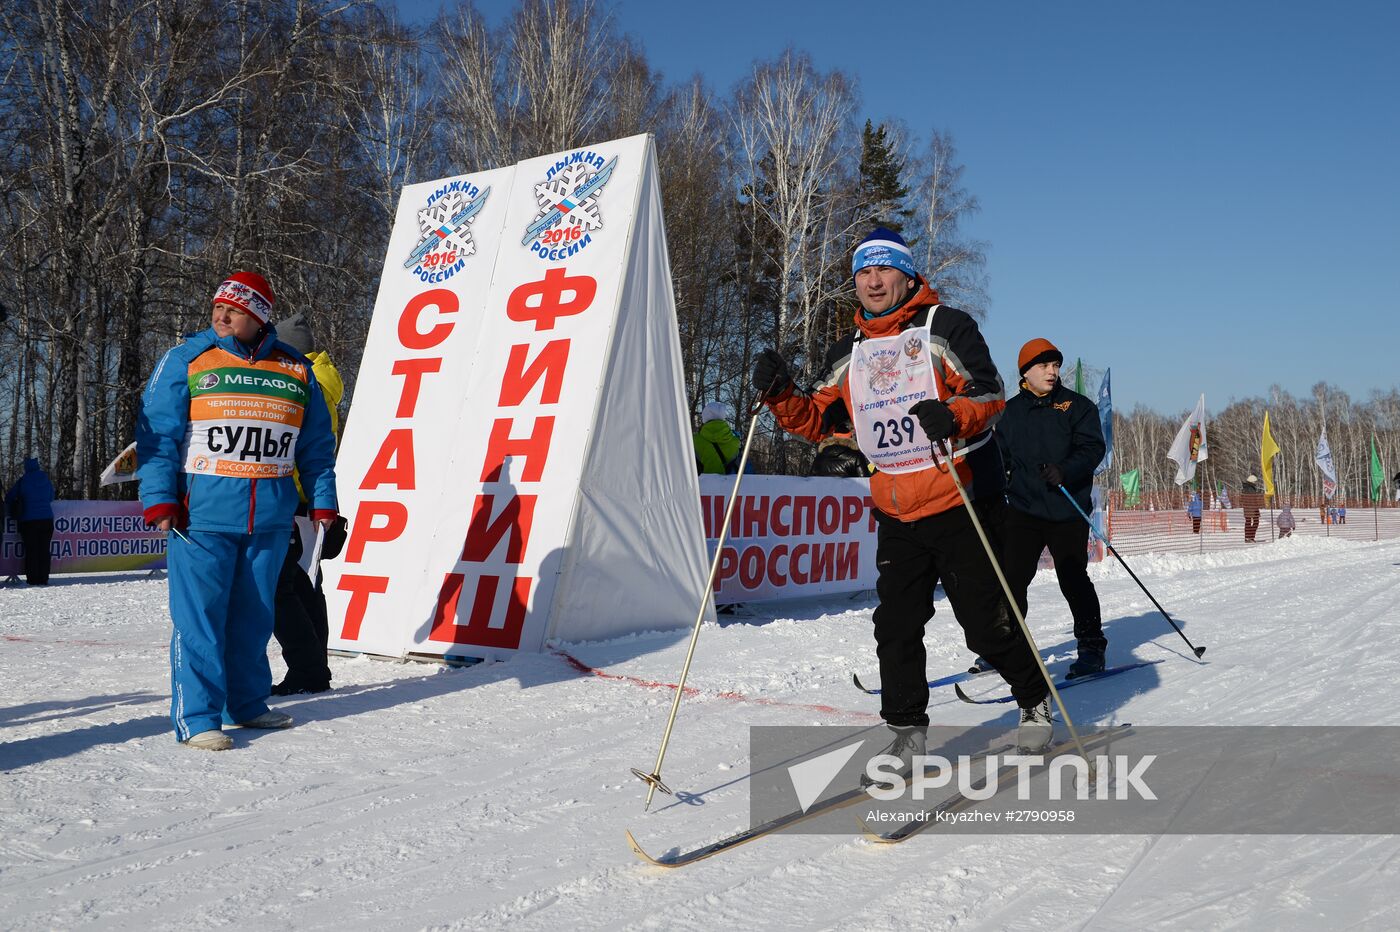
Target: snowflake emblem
{"x": 550, "y": 194}
{"x": 439, "y": 216}
{"x": 884, "y": 373}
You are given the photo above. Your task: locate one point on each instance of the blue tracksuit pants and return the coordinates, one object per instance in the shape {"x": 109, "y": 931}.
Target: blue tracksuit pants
{"x": 222, "y": 592}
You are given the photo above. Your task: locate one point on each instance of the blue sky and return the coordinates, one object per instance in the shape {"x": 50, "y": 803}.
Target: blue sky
{"x": 1203, "y": 196}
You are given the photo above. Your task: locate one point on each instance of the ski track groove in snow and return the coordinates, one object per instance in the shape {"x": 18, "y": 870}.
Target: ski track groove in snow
{"x": 495, "y": 796}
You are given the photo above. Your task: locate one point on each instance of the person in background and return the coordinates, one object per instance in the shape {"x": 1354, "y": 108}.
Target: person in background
{"x": 1251, "y": 500}
{"x": 717, "y": 448}
{"x": 1051, "y": 439}
{"x": 1286, "y": 522}
{"x": 838, "y": 455}
{"x": 30, "y": 503}
{"x": 1341, "y": 514}
{"x": 301, "y": 623}
{"x": 1193, "y": 508}
{"x": 914, "y": 373}
{"x": 226, "y": 417}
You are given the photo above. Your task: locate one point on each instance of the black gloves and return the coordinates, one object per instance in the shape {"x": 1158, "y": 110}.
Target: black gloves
{"x": 836, "y": 419}
{"x": 935, "y": 418}
{"x": 770, "y": 374}
{"x": 1052, "y": 474}
{"x": 335, "y": 539}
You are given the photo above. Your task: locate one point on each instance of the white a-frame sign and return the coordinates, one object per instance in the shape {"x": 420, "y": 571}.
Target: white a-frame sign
{"x": 517, "y": 461}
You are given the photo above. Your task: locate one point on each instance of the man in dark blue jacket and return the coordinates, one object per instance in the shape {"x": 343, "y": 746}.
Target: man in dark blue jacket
{"x": 30, "y": 503}
{"x": 1050, "y": 438}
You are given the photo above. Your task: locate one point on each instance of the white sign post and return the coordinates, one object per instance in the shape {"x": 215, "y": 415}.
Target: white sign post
{"x": 517, "y": 461}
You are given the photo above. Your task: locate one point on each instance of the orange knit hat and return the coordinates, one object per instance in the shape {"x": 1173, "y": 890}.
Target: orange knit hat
{"x": 1037, "y": 351}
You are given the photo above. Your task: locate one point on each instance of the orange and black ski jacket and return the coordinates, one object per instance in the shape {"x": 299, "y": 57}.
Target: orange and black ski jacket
{"x": 977, "y": 397}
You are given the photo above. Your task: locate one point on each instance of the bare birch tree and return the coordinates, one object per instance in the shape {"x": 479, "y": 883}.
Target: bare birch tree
{"x": 955, "y": 266}
{"x": 792, "y": 131}
{"x": 388, "y": 109}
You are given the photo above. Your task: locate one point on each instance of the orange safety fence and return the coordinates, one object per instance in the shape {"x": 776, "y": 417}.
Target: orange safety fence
{"x": 1160, "y": 523}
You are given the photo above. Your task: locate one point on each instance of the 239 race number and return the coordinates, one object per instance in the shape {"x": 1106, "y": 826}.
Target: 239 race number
{"x": 894, "y": 432}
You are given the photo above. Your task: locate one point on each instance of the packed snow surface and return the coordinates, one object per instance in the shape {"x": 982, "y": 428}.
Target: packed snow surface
{"x": 416, "y": 796}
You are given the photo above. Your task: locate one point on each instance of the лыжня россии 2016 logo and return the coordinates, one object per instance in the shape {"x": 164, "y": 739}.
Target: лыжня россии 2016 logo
{"x": 445, "y": 228}
{"x": 567, "y": 199}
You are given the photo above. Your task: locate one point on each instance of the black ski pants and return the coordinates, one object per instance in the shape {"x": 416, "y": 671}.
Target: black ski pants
{"x": 36, "y": 536}
{"x": 911, "y": 558}
{"x": 1024, "y": 536}
{"x": 301, "y": 625}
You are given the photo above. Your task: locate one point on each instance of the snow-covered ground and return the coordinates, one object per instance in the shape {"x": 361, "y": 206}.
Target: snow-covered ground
{"x": 416, "y": 796}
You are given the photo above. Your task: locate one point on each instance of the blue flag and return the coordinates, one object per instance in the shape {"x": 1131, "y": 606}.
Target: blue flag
{"x": 1106, "y": 422}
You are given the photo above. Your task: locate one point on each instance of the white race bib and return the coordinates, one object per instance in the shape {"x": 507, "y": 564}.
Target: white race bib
{"x": 888, "y": 376}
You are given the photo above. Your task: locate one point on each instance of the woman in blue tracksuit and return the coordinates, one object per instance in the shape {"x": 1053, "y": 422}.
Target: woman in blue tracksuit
{"x": 225, "y": 419}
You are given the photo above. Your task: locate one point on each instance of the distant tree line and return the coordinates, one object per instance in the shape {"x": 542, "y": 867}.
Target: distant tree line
{"x": 148, "y": 148}
{"x": 1234, "y": 437}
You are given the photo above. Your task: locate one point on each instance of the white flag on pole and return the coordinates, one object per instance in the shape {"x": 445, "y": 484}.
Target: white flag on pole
{"x": 1189, "y": 447}
{"x": 1324, "y": 463}
{"x": 121, "y": 469}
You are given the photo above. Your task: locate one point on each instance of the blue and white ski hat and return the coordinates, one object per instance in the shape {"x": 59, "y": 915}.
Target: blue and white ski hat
{"x": 884, "y": 246}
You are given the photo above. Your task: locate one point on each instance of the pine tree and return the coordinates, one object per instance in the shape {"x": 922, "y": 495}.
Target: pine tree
{"x": 882, "y": 192}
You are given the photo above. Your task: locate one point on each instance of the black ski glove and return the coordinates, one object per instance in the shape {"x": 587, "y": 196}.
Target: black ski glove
{"x": 335, "y": 539}
{"x": 770, "y": 374}
{"x": 836, "y": 419}
{"x": 935, "y": 418}
{"x": 1052, "y": 474}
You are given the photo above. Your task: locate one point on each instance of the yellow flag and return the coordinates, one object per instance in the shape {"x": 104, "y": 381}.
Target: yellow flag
{"x": 1268, "y": 450}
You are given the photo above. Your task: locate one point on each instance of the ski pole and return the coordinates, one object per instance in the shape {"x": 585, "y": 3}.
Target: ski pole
{"x": 1198, "y": 651}
{"x": 1015, "y": 606}
{"x": 653, "y": 779}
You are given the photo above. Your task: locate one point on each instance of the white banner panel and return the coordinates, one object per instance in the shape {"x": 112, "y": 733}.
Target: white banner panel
{"x": 412, "y": 386}
{"x": 467, "y": 507}
{"x": 636, "y": 556}
{"x": 790, "y": 536}
{"x": 535, "y": 387}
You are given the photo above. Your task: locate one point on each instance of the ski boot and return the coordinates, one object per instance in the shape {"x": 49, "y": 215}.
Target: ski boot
{"x": 1089, "y": 662}
{"x": 980, "y": 666}
{"x": 1036, "y": 728}
{"x": 907, "y": 742}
